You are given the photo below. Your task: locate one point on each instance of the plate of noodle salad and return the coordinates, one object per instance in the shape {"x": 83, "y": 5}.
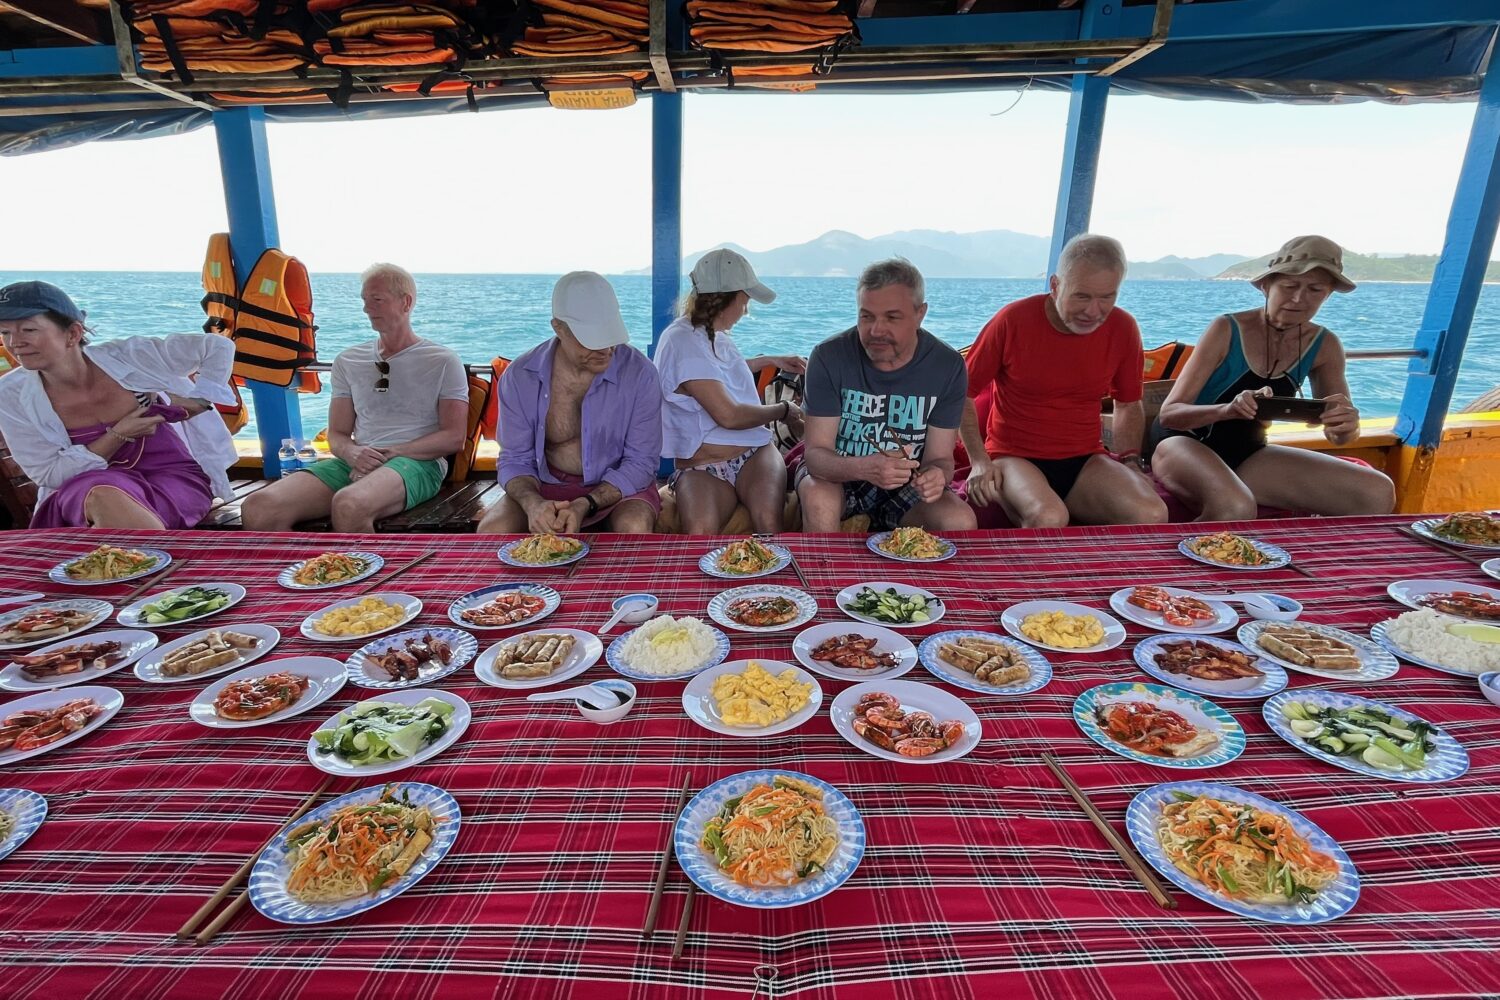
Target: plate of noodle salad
{"x": 769, "y": 839}
{"x": 354, "y": 853}
{"x": 331, "y": 569}
{"x": 1242, "y": 852}
{"x": 911, "y": 544}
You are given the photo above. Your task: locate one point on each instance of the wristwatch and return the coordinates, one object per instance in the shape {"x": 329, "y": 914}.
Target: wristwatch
{"x": 593, "y": 505}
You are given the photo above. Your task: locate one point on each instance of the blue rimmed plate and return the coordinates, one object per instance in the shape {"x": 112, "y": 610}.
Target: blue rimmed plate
{"x": 463, "y": 645}
{"x": 474, "y": 599}
{"x": 1491, "y": 568}
{"x": 26, "y": 809}
{"x": 807, "y": 607}
{"x": 701, "y": 867}
{"x": 1277, "y": 556}
{"x": 1200, "y": 712}
{"x": 1272, "y": 678}
{"x": 1446, "y": 761}
{"x": 927, "y": 653}
{"x": 507, "y": 554}
{"x": 288, "y": 576}
{"x": 614, "y": 656}
{"x": 709, "y": 563}
{"x": 875, "y": 541}
{"x": 268, "y": 877}
{"x": 1425, "y": 528}
{"x": 1380, "y": 633}
{"x": 1375, "y": 663}
{"x": 59, "y": 573}
{"x": 1142, "y": 821}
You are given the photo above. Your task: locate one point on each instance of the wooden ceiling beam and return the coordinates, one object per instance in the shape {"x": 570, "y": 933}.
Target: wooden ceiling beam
{"x": 71, "y": 19}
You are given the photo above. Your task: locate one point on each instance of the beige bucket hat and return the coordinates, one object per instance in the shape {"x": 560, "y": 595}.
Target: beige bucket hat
{"x": 1303, "y": 253}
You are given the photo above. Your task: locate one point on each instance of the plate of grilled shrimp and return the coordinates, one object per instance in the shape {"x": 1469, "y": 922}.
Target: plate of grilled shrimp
{"x": 854, "y": 651}
{"x": 539, "y": 658}
{"x": 1320, "y": 650}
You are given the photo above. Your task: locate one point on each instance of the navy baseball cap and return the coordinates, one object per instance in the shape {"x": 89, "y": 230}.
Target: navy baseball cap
{"x": 27, "y": 298}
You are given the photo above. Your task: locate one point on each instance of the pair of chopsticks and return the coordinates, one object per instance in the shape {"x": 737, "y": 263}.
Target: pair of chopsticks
{"x": 1127, "y": 854}
{"x": 661, "y": 880}
{"x": 1472, "y": 559}
{"x": 152, "y": 581}
{"x": 207, "y": 934}
{"x": 381, "y": 583}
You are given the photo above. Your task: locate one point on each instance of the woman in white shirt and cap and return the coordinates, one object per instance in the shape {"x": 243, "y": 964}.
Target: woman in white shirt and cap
{"x": 714, "y": 423}
{"x": 121, "y": 434}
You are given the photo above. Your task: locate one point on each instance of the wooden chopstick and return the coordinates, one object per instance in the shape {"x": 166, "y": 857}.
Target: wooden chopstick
{"x": 800, "y": 577}
{"x": 666, "y": 859}
{"x": 1125, "y": 851}
{"x": 186, "y": 931}
{"x": 687, "y": 918}
{"x": 152, "y": 581}
{"x": 1471, "y": 558}
{"x": 381, "y": 583}
{"x": 1298, "y": 569}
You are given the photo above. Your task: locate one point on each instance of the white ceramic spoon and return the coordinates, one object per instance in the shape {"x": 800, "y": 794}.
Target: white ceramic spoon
{"x": 595, "y": 697}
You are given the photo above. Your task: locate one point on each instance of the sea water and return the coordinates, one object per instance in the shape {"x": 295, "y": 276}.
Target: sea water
{"x": 484, "y": 315}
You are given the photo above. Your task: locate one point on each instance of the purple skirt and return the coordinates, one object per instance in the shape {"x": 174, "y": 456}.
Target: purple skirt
{"x": 156, "y": 472}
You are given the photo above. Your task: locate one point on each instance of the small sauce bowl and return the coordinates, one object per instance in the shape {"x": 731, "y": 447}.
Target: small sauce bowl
{"x": 1275, "y": 608}
{"x": 623, "y": 690}
{"x": 640, "y": 614}
{"x": 1489, "y": 686}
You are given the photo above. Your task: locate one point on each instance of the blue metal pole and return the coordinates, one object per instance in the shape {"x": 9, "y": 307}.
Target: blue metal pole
{"x": 666, "y": 209}
{"x": 245, "y": 165}
{"x": 1458, "y": 278}
{"x": 1085, "y": 136}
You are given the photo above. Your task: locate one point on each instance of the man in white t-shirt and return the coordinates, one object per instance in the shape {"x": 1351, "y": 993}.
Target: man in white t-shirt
{"x": 400, "y": 405}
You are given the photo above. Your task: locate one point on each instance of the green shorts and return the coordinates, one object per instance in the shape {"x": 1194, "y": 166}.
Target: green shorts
{"x": 423, "y": 479}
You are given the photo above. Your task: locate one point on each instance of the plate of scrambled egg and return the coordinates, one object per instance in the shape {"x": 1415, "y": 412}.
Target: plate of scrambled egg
{"x": 359, "y": 617}
{"x": 752, "y": 697}
{"x": 1063, "y": 626}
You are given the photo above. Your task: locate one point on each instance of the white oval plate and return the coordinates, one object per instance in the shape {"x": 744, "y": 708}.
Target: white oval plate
{"x": 463, "y": 644}
{"x": 267, "y": 885}
{"x": 612, "y": 656}
{"x": 148, "y": 667}
{"x": 1142, "y": 820}
{"x": 107, "y": 698}
{"x": 551, "y": 601}
{"x": 587, "y": 648}
{"x": 27, "y": 809}
{"x": 1447, "y": 760}
{"x": 373, "y": 563}
{"x": 325, "y": 676}
{"x": 914, "y": 696}
{"x": 873, "y": 543}
{"x": 807, "y": 607}
{"x": 1491, "y": 567}
{"x": 1114, "y": 632}
{"x": 134, "y": 643}
{"x": 847, "y": 594}
{"x": 133, "y": 615}
{"x": 1279, "y": 556}
{"x": 1041, "y": 667}
{"x": 1424, "y": 528}
{"x": 1376, "y": 664}
{"x": 1380, "y": 632}
{"x": 1225, "y": 617}
{"x": 1201, "y": 712}
{"x": 59, "y": 574}
{"x": 510, "y": 560}
{"x": 698, "y": 699}
{"x": 98, "y": 611}
{"x": 1274, "y": 678}
{"x": 887, "y": 641}
{"x": 1408, "y": 592}
{"x": 410, "y": 607}
{"x": 457, "y": 723}
{"x": 700, "y": 867}
{"x": 709, "y": 563}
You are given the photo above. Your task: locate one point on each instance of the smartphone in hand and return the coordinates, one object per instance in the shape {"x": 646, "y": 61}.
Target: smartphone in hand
{"x": 1302, "y": 411}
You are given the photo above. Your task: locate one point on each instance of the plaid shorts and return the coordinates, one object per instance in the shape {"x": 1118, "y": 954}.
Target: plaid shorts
{"x": 885, "y": 507}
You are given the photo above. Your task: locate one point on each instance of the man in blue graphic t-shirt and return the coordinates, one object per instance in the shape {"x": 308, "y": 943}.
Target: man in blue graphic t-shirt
{"x": 883, "y": 403}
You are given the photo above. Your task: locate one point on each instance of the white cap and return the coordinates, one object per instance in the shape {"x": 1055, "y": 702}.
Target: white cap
{"x": 727, "y": 271}
{"x": 587, "y": 303}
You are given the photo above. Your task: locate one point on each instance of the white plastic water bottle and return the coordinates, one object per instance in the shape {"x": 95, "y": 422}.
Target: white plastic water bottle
{"x": 307, "y": 455}
{"x": 288, "y": 456}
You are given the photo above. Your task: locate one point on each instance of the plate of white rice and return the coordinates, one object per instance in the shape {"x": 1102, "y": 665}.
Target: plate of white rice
{"x": 667, "y": 647}
{"x": 1422, "y": 637}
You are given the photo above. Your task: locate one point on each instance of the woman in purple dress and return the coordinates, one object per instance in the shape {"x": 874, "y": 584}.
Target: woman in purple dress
{"x": 121, "y": 434}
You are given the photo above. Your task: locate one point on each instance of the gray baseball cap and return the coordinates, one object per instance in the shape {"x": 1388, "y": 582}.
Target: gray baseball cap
{"x": 28, "y": 298}
{"x": 723, "y": 270}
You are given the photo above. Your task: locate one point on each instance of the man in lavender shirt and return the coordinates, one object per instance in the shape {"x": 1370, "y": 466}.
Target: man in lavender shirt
{"x": 580, "y": 423}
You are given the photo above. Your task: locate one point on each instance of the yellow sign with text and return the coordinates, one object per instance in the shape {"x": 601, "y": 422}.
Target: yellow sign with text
{"x": 593, "y": 99}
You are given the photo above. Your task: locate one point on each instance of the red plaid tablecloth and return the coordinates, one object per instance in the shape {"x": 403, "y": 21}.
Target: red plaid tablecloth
{"x": 982, "y": 878}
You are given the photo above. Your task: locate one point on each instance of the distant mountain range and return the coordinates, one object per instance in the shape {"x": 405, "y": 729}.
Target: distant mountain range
{"x": 1002, "y": 253}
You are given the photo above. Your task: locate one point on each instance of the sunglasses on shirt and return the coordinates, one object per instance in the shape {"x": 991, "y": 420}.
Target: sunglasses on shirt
{"x": 383, "y": 383}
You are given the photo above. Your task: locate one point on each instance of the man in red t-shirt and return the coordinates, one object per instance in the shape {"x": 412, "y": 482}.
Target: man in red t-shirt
{"x": 1052, "y": 358}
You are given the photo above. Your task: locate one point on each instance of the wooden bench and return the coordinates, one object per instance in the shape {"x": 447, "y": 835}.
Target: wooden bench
{"x": 456, "y": 509}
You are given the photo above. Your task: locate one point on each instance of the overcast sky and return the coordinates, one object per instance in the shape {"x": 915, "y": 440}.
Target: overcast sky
{"x": 545, "y": 191}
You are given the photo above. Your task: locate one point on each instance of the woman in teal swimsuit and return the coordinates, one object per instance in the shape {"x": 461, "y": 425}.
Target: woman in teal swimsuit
{"x": 1212, "y": 452}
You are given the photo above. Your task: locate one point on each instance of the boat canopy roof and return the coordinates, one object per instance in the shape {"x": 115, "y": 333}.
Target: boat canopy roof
{"x": 67, "y": 81}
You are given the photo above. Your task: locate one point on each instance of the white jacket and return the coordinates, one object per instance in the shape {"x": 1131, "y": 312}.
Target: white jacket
{"x": 187, "y": 364}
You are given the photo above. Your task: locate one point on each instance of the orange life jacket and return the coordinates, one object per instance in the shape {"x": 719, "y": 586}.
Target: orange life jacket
{"x": 490, "y": 425}
{"x": 269, "y": 318}
{"x": 480, "y": 391}
{"x": 1167, "y": 360}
